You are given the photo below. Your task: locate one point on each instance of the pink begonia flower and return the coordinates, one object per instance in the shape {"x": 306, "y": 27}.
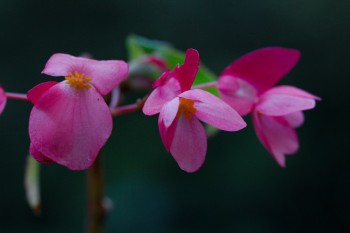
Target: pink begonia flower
{"x": 181, "y": 109}
{"x": 3, "y": 99}
{"x": 247, "y": 86}
{"x": 70, "y": 121}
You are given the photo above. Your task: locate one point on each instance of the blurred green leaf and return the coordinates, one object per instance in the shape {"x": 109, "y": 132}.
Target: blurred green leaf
{"x": 32, "y": 184}
{"x": 139, "y": 47}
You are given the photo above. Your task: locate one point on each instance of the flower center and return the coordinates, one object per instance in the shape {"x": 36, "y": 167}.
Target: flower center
{"x": 78, "y": 81}
{"x": 186, "y": 108}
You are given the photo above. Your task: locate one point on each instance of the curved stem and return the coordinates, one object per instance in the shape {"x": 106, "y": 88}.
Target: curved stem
{"x": 16, "y": 96}
{"x": 95, "y": 191}
{"x": 205, "y": 85}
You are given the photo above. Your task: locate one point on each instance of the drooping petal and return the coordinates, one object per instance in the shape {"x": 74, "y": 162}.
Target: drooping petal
{"x": 38, "y": 156}
{"x": 295, "y": 119}
{"x": 161, "y": 95}
{"x": 284, "y": 100}
{"x": 3, "y": 99}
{"x": 214, "y": 111}
{"x": 264, "y": 67}
{"x": 166, "y": 133}
{"x": 169, "y": 111}
{"x": 36, "y": 92}
{"x": 105, "y": 75}
{"x": 276, "y": 135}
{"x": 238, "y": 93}
{"x": 189, "y": 144}
{"x": 70, "y": 127}
{"x": 186, "y": 73}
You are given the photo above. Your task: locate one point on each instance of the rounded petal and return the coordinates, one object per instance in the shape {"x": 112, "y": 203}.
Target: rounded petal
{"x": 105, "y": 75}
{"x": 36, "y": 92}
{"x": 264, "y": 67}
{"x": 238, "y": 93}
{"x": 212, "y": 110}
{"x": 284, "y": 100}
{"x": 38, "y": 156}
{"x": 70, "y": 127}
{"x": 276, "y": 135}
{"x": 161, "y": 95}
{"x": 295, "y": 119}
{"x": 169, "y": 111}
{"x": 186, "y": 73}
{"x": 189, "y": 144}
{"x": 3, "y": 99}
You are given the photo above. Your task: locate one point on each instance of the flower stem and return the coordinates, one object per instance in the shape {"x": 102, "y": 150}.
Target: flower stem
{"x": 16, "y": 96}
{"x": 95, "y": 191}
{"x": 129, "y": 108}
{"x": 205, "y": 85}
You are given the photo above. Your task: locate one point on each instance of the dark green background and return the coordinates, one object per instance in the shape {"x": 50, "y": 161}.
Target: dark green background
{"x": 240, "y": 188}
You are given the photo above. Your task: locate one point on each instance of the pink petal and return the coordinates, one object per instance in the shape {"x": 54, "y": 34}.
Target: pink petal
{"x": 214, "y": 111}
{"x": 160, "y": 96}
{"x": 264, "y": 67}
{"x": 238, "y": 93}
{"x": 276, "y": 135}
{"x": 166, "y": 133}
{"x": 105, "y": 75}
{"x": 187, "y": 72}
{"x": 36, "y": 92}
{"x": 115, "y": 98}
{"x": 3, "y": 99}
{"x": 189, "y": 144}
{"x": 38, "y": 156}
{"x": 284, "y": 100}
{"x": 290, "y": 90}
{"x": 295, "y": 119}
{"x": 70, "y": 127}
{"x": 169, "y": 111}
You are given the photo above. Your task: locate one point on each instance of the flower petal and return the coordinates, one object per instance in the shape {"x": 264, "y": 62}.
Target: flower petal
{"x": 238, "y": 93}
{"x": 38, "y": 156}
{"x": 169, "y": 111}
{"x": 189, "y": 144}
{"x": 3, "y": 99}
{"x": 161, "y": 95}
{"x": 295, "y": 119}
{"x": 115, "y": 98}
{"x": 284, "y": 100}
{"x": 276, "y": 135}
{"x": 264, "y": 67}
{"x": 214, "y": 111}
{"x": 166, "y": 133}
{"x": 70, "y": 127}
{"x": 186, "y": 73}
{"x": 105, "y": 75}
{"x": 36, "y": 92}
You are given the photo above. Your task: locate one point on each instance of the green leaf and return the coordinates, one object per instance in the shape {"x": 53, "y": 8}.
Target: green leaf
{"x": 138, "y": 47}
{"x": 32, "y": 184}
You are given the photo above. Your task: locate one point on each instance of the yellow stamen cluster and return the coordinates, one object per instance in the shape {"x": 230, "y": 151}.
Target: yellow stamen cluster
{"x": 78, "y": 81}
{"x": 186, "y": 108}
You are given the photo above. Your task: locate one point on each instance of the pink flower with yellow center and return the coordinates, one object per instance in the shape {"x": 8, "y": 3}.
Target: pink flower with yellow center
{"x": 247, "y": 86}
{"x": 70, "y": 121}
{"x": 180, "y": 110}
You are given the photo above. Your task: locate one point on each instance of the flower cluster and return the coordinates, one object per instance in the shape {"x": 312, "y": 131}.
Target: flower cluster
{"x": 71, "y": 121}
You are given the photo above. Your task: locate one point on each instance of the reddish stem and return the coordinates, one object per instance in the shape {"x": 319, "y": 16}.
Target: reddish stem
{"x": 17, "y": 96}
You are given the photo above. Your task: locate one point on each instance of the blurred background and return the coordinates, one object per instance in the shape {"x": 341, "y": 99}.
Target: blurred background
{"x": 240, "y": 188}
